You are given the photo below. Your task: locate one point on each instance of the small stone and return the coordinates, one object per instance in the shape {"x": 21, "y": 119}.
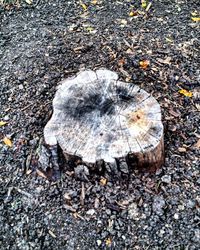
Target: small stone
{"x": 191, "y": 204}
{"x": 172, "y": 128}
{"x": 196, "y": 237}
{"x": 133, "y": 211}
{"x": 181, "y": 207}
{"x": 6, "y": 118}
{"x": 158, "y": 205}
{"x": 91, "y": 212}
{"x": 82, "y": 172}
{"x": 166, "y": 179}
{"x": 21, "y": 86}
{"x": 176, "y": 216}
{"x": 99, "y": 243}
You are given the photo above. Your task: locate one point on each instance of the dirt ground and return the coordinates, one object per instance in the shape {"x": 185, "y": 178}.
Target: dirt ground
{"x": 46, "y": 41}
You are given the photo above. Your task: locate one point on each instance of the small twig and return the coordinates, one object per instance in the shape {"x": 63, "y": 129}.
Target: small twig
{"x": 148, "y": 6}
{"x": 82, "y": 198}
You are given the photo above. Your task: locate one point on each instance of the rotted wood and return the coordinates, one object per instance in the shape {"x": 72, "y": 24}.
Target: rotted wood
{"x": 100, "y": 121}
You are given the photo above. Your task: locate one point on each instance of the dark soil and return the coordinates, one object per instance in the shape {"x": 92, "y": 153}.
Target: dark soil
{"x": 47, "y": 41}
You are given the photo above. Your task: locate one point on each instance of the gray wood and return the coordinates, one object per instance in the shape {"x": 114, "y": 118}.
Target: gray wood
{"x": 97, "y": 117}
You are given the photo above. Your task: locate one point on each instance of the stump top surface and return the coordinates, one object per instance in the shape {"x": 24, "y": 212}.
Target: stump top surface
{"x": 96, "y": 117}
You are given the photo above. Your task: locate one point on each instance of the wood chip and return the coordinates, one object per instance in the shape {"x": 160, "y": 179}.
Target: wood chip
{"x": 69, "y": 208}
{"x": 182, "y": 150}
{"x": 197, "y": 145}
{"x": 52, "y": 234}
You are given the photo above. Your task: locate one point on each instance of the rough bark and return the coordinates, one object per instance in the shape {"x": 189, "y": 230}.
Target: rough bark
{"x": 100, "y": 121}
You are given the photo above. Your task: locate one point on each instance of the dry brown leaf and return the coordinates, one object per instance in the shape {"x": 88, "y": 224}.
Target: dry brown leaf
{"x": 144, "y": 64}
{"x": 108, "y": 242}
{"x": 7, "y": 141}
{"x": 103, "y": 181}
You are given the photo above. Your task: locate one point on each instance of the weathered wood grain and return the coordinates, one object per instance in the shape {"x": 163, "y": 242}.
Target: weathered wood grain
{"x": 97, "y": 118}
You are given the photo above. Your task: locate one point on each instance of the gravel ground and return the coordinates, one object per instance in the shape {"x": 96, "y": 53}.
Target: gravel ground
{"x": 47, "y": 41}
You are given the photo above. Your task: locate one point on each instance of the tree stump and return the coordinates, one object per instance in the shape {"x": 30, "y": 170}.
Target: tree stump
{"x": 100, "y": 121}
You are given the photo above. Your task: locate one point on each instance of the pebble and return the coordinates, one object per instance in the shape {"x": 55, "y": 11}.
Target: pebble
{"x": 158, "y": 205}
{"x": 191, "y": 204}
{"x": 91, "y": 212}
{"x": 166, "y": 179}
{"x": 99, "y": 243}
{"x": 176, "y": 216}
{"x": 181, "y": 207}
{"x": 133, "y": 211}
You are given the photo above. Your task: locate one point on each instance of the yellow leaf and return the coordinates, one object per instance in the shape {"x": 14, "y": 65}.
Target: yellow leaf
{"x": 196, "y": 19}
{"x": 185, "y": 92}
{"x": 133, "y": 13}
{"x": 103, "y": 181}
{"x": 144, "y": 64}
{"x": 2, "y": 123}
{"x": 89, "y": 29}
{"x": 108, "y": 242}
{"x": 144, "y": 3}
{"x": 7, "y": 141}
{"x": 94, "y": 2}
{"x": 84, "y": 6}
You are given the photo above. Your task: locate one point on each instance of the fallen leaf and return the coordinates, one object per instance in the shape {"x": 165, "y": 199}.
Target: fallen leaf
{"x": 7, "y": 141}
{"x": 196, "y": 19}
{"x": 144, "y": 64}
{"x": 103, "y": 181}
{"x": 94, "y": 2}
{"x": 2, "y": 123}
{"x": 121, "y": 62}
{"x": 133, "y": 13}
{"x": 144, "y": 3}
{"x": 84, "y": 6}
{"x": 108, "y": 242}
{"x": 185, "y": 92}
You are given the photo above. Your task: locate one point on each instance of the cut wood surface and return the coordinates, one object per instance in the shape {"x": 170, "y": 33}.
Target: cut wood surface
{"x": 97, "y": 118}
